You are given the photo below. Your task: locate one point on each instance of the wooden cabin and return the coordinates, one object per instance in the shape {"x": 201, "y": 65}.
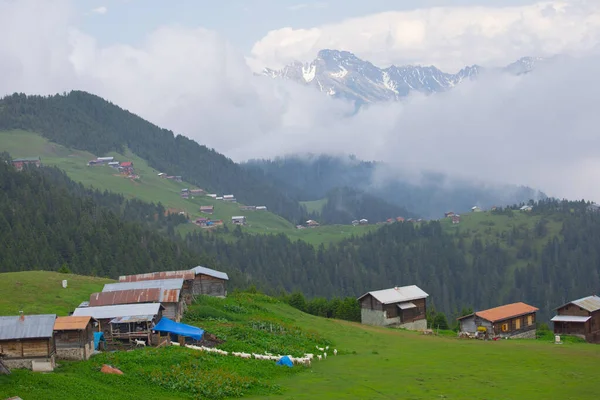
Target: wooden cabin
{"x": 125, "y": 321}
{"x": 516, "y": 320}
{"x": 579, "y": 318}
{"x": 209, "y": 282}
{"x": 403, "y": 307}
{"x": 27, "y": 341}
{"x": 74, "y": 337}
{"x": 170, "y": 298}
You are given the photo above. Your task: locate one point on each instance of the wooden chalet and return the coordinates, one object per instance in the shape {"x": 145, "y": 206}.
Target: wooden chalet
{"x": 579, "y": 318}
{"x": 125, "y": 322}
{"x": 20, "y": 163}
{"x": 207, "y": 209}
{"x": 403, "y": 307}
{"x": 74, "y": 337}
{"x": 516, "y": 320}
{"x": 27, "y": 341}
{"x": 170, "y": 298}
{"x": 238, "y": 220}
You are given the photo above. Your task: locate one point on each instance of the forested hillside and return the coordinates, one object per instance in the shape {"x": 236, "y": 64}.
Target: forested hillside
{"x": 49, "y": 222}
{"x": 343, "y": 205}
{"x": 429, "y": 195}
{"x": 87, "y": 122}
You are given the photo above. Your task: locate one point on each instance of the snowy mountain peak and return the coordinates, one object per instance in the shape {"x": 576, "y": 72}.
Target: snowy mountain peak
{"x": 342, "y": 74}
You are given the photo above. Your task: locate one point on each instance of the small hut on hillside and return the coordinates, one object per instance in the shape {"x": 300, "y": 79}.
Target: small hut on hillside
{"x": 27, "y": 341}
{"x": 169, "y": 298}
{"x": 74, "y": 337}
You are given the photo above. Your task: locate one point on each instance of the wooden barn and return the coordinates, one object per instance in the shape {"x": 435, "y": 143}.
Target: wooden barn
{"x": 125, "y": 321}
{"x": 209, "y": 282}
{"x": 516, "y": 320}
{"x": 170, "y": 298}
{"x": 74, "y": 337}
{"x": 20, "y": 163}
{"x": 403, "y": 307}
{"x": 27, "y": 341}
{"x": 579, "y": 318}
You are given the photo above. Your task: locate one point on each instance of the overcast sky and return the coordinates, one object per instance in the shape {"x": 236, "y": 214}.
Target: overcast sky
{"x": 189, "y": 68}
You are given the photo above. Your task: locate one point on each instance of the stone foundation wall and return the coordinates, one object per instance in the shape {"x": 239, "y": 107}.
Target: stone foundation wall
{"x": 41, "y": 364}
{"x": 418, "y": 325}
{"x": 524, "y": 335}
{"x": 69, "y": 354}
{"x": 379, "y": 318}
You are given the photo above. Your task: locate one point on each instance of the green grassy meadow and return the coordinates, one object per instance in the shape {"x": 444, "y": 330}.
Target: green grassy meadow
{"x": 372, "y": 362}
{"x": 315, "y": 205}
{"x": 41, "y": 292}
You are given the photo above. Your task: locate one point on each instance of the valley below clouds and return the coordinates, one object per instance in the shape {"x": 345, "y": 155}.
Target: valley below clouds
{"x": 537, "y": 129}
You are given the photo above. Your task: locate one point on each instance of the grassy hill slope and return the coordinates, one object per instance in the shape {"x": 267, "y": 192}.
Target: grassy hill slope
{"x": 41, "y": 292}
{"x": 372, "y": 362}
{"x": 152, "y": 188}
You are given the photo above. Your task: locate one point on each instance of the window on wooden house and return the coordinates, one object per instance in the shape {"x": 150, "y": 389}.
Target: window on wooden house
{"x": 529, "y": 320}
{"x": 504, "y": 327}
{"x": 518, "y": 323}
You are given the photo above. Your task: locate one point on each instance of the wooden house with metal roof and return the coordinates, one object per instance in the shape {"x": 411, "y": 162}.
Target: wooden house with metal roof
{"x": 403, "y": 307}
{"x": 516, "y": 320}
{"x": 171, "y": 299}
{"x": 27, "y": 341}
{"x": 125, "y": 321}
{"x": 579, "y": 318}
{"x": 74, "y": 337}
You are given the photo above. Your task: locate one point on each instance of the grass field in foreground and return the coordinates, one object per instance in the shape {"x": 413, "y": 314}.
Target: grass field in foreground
{"x": 373, "y": 363}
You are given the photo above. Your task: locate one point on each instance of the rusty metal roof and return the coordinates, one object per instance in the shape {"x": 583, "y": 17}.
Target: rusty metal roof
{"x": 152, "y": 276}
{"x": 71, "y": 323}
{"x": 506, "y": 311}
{"x": 159, "y": 283}
{"x": 32, "y": 326}
{"x": 151, "y": 295}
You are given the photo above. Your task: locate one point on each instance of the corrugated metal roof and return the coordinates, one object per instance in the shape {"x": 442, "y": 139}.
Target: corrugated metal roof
{"x": 570, "y": 318}
{"x": 71, "y": 323}
{"x": 84, "y": 304}
{"x": 123, "y": 310}
{"x": 590, "y": 303}
{"x": 397, "y": 294}
{"x": 153, "y": 276}
{"x": 210, "y": 272}
{"x": 163, "y": 284}
{"x": 32, "y": 326}
{"x": 506, "y": 311}
{"x": 129, "y": 319}
{"x": 131, "y": 296}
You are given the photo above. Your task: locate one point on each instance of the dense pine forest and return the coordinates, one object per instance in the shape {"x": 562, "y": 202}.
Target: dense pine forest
{"x": 87, "y": 122}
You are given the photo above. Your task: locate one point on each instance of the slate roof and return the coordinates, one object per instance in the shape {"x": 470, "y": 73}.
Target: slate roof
{"x": 397, "y": 294}
{"x": 33, "y": 326}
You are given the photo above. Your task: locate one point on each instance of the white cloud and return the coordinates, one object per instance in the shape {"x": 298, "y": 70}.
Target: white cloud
{"x": 304, "y": 6}
{"x": 538, "y": 129}
{"x": 449, "y": 38}
{"x": 100, "y": 10}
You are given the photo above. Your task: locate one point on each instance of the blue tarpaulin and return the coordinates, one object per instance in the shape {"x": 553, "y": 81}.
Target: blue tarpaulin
{"x": 170, "y": 326}
{"x": 285, "y": 360}
{"x": 98, "y": 336}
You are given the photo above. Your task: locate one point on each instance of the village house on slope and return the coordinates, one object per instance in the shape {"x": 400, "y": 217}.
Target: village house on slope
{"x": 125, "y": 321}
{"x": 74, "y": 337}
{"x": 168, "y": 292}
{"x": 27, "y": 341}
{"x": 198, "y": 280}
{"x": 516, "y": 320}
{"x": 579, "y": 318}
{"x": 403, "y": 307}
{"x": 20, "y": 163}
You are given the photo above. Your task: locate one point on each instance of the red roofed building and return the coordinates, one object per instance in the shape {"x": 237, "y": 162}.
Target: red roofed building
{"x": 516, "y": 320}
{"x": 126, "y": 167}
